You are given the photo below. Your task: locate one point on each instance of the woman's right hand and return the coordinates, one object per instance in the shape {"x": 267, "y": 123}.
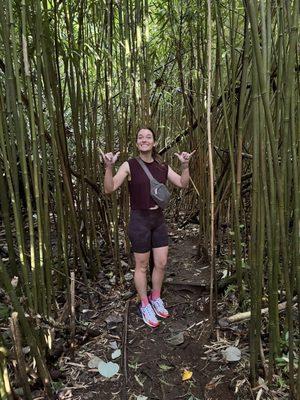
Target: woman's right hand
{"x": 110, "y": 158}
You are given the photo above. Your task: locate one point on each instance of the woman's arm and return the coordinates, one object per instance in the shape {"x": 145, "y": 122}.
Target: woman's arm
{"x": 182, "y": 180}
{"x": 111, "y": 183}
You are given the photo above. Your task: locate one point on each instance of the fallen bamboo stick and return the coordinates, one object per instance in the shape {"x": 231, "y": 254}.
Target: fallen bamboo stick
{"x": 185, "y": 283}
{"x": 72, "y": 310}
{"x": 247, "y": 314}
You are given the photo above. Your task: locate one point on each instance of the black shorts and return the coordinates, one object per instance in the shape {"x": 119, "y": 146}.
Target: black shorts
{"x": 147, "y": 230}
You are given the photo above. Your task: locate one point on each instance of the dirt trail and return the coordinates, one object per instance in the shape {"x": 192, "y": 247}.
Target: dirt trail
{"x": 155, "y": 359}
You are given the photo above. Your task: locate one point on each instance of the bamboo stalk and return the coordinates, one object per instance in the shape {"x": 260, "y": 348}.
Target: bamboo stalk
{"x": 254, "y": 233}
{"x": 27, "y": 331}
{"x": 5, "y": 387}
{"x": 21, "y": 140}
{"x": 38, "y": 264}
{"x": 72, "y": 310}
{"x": 9, "y": 156}
{"x": 45, "y": 181}
{"x": 211, "y": 165}
{"x": 21, "y": 365}
{"x": 4, "y": 203}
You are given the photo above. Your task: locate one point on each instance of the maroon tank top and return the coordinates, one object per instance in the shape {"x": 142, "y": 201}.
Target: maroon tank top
{"x": 139, "y": 185}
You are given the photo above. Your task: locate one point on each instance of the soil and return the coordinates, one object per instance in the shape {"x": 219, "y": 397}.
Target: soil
{"x": 151, "y": 363}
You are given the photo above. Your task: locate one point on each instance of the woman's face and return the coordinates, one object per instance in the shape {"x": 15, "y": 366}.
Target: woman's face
{"x": 145, "y": 140}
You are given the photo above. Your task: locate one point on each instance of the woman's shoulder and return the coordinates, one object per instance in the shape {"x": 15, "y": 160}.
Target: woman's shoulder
{"x": 132, "y": 165}
{"x": 124, "y": 167}
{"x": 132, "y": 162}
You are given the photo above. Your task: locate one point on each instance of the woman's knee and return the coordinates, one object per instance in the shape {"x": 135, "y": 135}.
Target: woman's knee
{"x": 141, "y": 261}
{"x": 160, "y": 256}
{"x": 161, "y": 263}
{"x": 141, "y": 266}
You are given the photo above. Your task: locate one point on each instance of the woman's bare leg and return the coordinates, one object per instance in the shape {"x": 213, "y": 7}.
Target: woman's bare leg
{"x": 140, "y": 273}
{"x": 160, "y": 256}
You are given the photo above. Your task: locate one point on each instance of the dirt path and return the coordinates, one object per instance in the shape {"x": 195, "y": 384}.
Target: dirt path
{"x": 155, "y": 359}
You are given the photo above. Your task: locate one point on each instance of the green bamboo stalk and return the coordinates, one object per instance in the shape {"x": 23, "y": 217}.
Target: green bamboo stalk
{"x": 20, "y": 361}
{"x": 20, "y": 135}
{"x": 61, "y": 145}
{"x": 211, "y": 163}
{"x": 4, "y": 208}
{"x": 40, "y": 280}
{"x": 289, "y": 126}
{"x": 27, "y": 331}
{"x": 110, "y": 131}
{"x": 254, "y": 351}
{"x": 260, "y": 249}
{"x": 9, "y": 155}
{"x": 279, "y": 188}
{"x": 45, "y": 181}
{"x": 62, "y": 221}
{"x": 272, "y": 281}
{"x": 233, "y": 181}
{"x": 241, "y": 111}
{"x": 5, "y": 387}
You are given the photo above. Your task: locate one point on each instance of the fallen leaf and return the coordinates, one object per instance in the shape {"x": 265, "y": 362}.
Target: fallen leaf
{"x": 113, "y": 280}
{"x": 14, "y": 281}
{"x": 140, "y": 397}
{"x": 113, "y": 345}
{"x": 223, "y": 322}
{"x": 186, "y": 375}
{"x": 94, "y": 362}
{"x": 128, "y": 277}
{"x": 165, "y": 367}
{"x": 108, "y": 370}
{"x": 26, "y": 350}
{"x": 177, "y": 339}
{"x": 114, "y": 318}
{"x": 116, "y": 354}
{"x": 232, "y": 354}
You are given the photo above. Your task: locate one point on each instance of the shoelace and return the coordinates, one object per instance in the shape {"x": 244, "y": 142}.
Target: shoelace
{"x": 149, "y": 312}
{"x": 159, "y": 304}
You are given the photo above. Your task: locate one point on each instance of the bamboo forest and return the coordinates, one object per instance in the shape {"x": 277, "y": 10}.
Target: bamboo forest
{"x": 213, "y": 82}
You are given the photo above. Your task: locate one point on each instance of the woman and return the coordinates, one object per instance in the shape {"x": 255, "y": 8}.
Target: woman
{"x": 147, "y": 229}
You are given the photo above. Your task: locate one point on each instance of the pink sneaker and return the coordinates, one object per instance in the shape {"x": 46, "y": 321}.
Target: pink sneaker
{"x": 148, "y": 316}
{"x": 159, "y": 308}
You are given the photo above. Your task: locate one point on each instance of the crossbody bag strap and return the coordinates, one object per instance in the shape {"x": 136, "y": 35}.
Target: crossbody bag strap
{"x": 146, "y": 170}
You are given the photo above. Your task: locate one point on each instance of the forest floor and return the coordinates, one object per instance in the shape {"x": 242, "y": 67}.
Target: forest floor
{"x": 181, "y": 359}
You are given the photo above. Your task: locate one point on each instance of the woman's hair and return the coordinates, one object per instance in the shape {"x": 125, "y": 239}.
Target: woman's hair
{"x": 155, "y": 154}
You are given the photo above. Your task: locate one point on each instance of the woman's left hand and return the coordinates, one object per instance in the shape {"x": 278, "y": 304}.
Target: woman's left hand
{"x": 184, "y": 157}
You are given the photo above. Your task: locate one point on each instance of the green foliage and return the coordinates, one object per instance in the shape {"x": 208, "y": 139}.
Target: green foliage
{"x": 231, "y": 289}
{"x": 4, "y": 312}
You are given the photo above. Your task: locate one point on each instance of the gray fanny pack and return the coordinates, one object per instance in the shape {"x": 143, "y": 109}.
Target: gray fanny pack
{"x": 158, "y": 191}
